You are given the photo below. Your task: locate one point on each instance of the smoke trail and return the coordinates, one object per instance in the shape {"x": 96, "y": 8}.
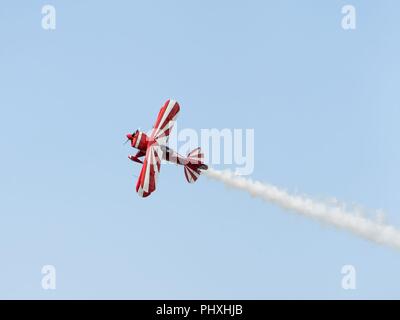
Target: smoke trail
{"x": 339, "y": 217}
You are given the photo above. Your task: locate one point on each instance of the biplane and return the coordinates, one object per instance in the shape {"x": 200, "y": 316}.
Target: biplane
{"x": 154, "y": 148}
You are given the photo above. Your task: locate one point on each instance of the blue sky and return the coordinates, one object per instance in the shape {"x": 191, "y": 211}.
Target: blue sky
{"x": 324, "y": 104}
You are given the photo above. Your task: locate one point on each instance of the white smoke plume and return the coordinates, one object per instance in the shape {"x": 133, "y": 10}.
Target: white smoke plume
{"x": 337, "y": 216}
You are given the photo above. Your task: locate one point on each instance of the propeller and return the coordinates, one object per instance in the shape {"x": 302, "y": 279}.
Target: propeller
{"x": 128, "y": 138}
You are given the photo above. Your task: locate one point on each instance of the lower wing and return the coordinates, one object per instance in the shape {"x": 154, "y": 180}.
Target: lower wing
{"x": 146, "y": 183}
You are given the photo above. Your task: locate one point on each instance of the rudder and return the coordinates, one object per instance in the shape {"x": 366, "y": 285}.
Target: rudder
{"x": 194, "y": 165}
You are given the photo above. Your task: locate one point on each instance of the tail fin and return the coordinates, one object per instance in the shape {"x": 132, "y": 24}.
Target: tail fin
{"x": 194, "y": 165}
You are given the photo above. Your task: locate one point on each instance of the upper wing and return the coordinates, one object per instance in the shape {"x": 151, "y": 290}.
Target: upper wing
{"x": 165, "y": 121}
{"x": 146, "y": 183}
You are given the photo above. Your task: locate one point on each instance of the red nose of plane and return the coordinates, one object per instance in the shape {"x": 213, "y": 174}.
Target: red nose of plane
{"x": 129, "y": 136}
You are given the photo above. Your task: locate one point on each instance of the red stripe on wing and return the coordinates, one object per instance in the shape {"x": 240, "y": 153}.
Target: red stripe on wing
{"x": 165, "y": 120}
{"x": 146, "y": 183}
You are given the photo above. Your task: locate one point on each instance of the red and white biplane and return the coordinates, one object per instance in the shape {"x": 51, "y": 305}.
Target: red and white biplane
{"x": 154, "y": 149}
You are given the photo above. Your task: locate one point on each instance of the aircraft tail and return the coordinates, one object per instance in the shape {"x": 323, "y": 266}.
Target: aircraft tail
{"x": 194, "y": 165}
